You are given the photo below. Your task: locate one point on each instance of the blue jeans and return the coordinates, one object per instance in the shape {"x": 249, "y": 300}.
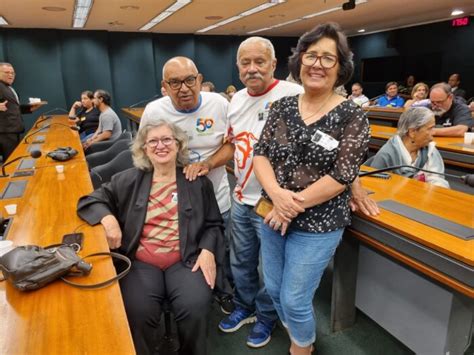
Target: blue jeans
{"x": 85, "y": 136}
{"x": 292, "y": 267}
{"x": 250, "y": 292}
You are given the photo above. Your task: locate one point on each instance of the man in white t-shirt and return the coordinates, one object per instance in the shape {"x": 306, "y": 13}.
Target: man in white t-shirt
{"x": 203, "y": 116}
{"x": 357, "y": 96}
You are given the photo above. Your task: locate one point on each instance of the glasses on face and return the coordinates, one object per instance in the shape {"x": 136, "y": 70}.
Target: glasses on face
{"x": 153, "y": 143}
{"x": 327, "y": 61}
{"x": 439, "y": 102}
{"x": 176, "y": 84}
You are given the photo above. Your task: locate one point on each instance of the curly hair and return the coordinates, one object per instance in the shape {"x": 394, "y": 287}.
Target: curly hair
{"x": 141, "y": 160}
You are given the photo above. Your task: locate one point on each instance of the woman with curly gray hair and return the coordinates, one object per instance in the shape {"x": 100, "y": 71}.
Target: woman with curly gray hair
{"x": 172, "y": 230}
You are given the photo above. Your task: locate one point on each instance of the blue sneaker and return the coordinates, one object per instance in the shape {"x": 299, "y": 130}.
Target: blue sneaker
{"x": 260, "y": 334}
{"x": 236, "y": 320}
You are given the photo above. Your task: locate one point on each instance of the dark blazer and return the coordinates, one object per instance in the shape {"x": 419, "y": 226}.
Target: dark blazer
{"x": 126, "y": 197}
{"x": 10, "y": 120}
{"x": 460, "y": 92}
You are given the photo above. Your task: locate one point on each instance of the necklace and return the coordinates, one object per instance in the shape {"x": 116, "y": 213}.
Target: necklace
{"x": 315, "y": 112}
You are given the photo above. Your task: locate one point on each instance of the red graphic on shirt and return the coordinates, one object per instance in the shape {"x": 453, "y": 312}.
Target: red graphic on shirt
{"x": 243, "y": 155}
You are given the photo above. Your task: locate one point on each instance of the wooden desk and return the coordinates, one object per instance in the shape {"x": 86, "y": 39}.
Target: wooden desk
{"x": 415, "y": 281}
{"x": 59, "y": 319}
{"x": 452, "y": 149}
{"x": 134, "y": 114}
{"x": 384, "y": 116}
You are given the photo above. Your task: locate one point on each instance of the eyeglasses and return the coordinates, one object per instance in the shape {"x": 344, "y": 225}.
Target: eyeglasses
{"x": 439, "y": 102}
{"x": 153, "y": 143}
{"x": 175, "y": 84}
{"x": 327, "y": 61}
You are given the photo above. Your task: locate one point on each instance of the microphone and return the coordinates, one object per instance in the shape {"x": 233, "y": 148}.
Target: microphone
{"x": 34, "y": 154}
{"x": 143, "y": 101}
{"x": 41, "y": 120}
{"x": 55, "y": 109}
{"x": 467, "y": 179}
{"x": 376, "y": 98}
{"x": 74, "y": 128}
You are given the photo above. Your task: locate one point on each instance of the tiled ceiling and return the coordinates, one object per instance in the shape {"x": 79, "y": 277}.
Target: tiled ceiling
{"x": 131, "y": 15}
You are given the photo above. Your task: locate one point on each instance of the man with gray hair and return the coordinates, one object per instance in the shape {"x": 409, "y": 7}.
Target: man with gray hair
{"x": 453, "y": 117}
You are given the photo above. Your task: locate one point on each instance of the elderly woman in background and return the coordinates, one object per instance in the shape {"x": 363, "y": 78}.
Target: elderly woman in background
{"x": 419, "y": 96}
{"x": 172, "y": 230}
{"x": 413, "y": 145}
{"x": 86, "y": 115}
{"x": 307, "y": 156}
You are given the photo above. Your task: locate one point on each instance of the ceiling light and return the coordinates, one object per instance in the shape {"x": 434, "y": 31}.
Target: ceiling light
{"x": 304, "y": 17}
{"x": 168, "y": 12}
{"x": 249, "y": 12}
{"x": 3, "y": 21}
{"x": 361, "y": 30}
{"x": 456, "y": 12}
{"x": 82, "y": 9}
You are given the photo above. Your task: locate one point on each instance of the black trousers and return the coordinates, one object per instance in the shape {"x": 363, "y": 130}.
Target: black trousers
{"x": 143, "y": 291}
{"x": 8, "y": 143}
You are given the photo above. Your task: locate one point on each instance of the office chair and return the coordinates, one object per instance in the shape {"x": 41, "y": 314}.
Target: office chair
{"x": 103, "y": 157}
{"x": 100, "y": 146}
{"x": 103, "y": 173}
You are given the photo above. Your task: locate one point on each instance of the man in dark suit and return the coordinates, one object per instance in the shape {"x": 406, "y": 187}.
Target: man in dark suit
{"x": 454, "y": 81}
{"x": 11, "y": 123}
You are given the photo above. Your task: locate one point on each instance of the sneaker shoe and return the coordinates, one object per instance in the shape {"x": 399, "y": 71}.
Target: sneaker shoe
{"x": 236, "y": 320}
{"x": 226, "y": 303}
{"x": 260, "y": 334}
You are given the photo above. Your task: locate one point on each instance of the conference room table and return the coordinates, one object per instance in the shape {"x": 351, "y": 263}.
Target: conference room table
{"x": 414, "y": 277}
{"x": 384, "y": 116}
{"x": 134, "y": 115}
{"x": 58, "y": 318}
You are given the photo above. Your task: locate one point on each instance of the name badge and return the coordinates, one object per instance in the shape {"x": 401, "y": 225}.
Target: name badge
{"x": 174, "y": 196}
{"x": 324, "y": 140}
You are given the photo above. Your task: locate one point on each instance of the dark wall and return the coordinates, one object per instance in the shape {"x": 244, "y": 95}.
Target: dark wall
{"x": 452, "y": 47}
{"x": 57, "y": 65}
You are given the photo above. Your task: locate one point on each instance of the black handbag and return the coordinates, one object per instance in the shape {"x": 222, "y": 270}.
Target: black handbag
{"x": 31, "y": 267}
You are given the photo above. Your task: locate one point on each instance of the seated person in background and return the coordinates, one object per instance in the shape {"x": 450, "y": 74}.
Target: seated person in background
{"x": 452, "y": 115}
{"x": 407, "y": 88}
{"x": 172, "y": 230}
{"x": 110, "y": 126}
{"x": 208, "y": 86}
{"x": 230, "y": 91}
{"x": 85, "y": 115}
{"x": 391, "y": 97}
{"x": 357, "y": 96}
{"x": 454, "y": 81}
{"x": 413, "y": 145}
{"x": 419, "y": 96}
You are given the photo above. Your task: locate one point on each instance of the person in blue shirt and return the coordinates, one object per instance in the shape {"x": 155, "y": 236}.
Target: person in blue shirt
{"x": 391, "y": 97}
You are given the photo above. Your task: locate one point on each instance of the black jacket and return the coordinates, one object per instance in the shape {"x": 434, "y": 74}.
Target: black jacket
{"x": 199, "y": 218}
{"x": 10, "y": 120}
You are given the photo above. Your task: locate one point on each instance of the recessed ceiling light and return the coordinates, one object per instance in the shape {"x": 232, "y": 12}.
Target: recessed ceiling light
{"x": 456, "y": 12}
{"x": 213, "y": 17}
{"x": 129, "y": 7}
{"x": 166, "y": 13}
{"x": 82, "y": 9}
{"x": 361, "y": 30}
{"x": 3, "y": 21}
{"x": 53, "y": 8}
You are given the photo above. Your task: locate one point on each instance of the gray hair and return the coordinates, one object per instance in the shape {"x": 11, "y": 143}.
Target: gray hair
{"x": 256, "y": 39}
{"x": 443, "y": 86}
{"x": 6, "y": 64}
{"x": 141, "y": 160}
{"x": 414, "y": 117}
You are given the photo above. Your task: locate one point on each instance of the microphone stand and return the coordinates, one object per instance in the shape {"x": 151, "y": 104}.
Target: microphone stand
{"x": 75, "y": 128}
{"x": 34, "y": 154}
{"x": 467, "y": 179}
{"x": 143, "y": 101}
